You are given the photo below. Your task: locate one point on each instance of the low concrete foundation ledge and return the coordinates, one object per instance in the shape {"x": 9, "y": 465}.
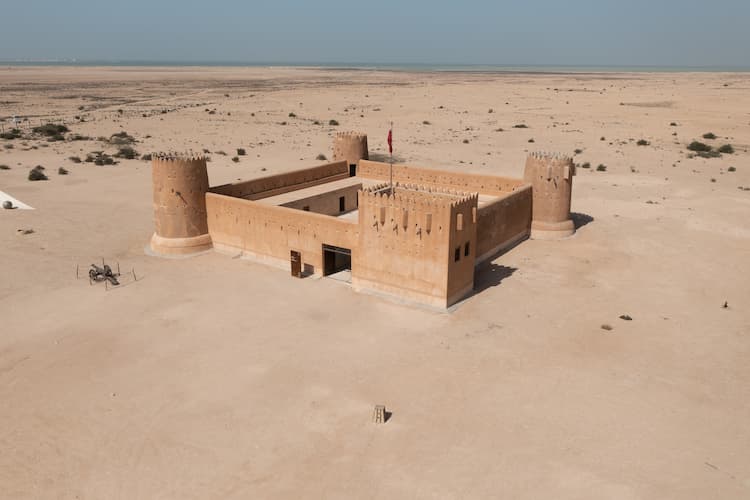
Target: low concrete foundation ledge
{"x": 552, "y": 230}
{"x": 180, "y": 246}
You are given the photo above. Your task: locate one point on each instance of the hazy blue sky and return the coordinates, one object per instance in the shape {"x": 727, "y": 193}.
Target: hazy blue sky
{"x": 572, "y": 32}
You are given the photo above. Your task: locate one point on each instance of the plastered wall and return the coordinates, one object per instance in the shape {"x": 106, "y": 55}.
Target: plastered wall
{"x": 328, "y": 203}
{"x": 404, "y": 246}
{"x": 463, "y": 241}
{"x": 503, "y": 222}
{"x": 486, "y": 184}
{"x": 271, "y": 231}
{"x": 273, "y": 185}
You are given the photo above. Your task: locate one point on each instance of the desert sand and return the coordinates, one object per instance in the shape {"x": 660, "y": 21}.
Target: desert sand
{"x": 216, "y": 377}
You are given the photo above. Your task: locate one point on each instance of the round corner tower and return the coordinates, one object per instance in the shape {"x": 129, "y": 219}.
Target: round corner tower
{"x": 180, "y": 184}
{"x": 551, "y": 178}
{"x": 350, "y": 146}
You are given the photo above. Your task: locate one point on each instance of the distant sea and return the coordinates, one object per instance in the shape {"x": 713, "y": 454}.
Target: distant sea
{"x": 415, "y": 67}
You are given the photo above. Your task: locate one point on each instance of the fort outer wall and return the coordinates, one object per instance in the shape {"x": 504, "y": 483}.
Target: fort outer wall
{"x": 503, "y": 223}
{"x": 273, "y": 185}
{"x": 459, "y": 181}
{"x": 268, "y": 232}
{"x": 462, "y": 249}
{"x": 404, "y": 247}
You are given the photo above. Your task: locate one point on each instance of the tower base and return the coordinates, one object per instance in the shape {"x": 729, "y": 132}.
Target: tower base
{"x": 552, "y": 230}
{"x": 180, "y": 246}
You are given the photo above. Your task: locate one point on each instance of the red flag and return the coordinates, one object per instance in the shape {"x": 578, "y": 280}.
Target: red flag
{"x": 390, "y": 141}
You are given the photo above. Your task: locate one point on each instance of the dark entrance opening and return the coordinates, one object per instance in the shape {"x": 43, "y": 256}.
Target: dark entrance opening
{"x": 342, "y": 204}
{"x": 336, "y": 259}
{"x": 352, "y": 170}
{"x": 296, "y": 261}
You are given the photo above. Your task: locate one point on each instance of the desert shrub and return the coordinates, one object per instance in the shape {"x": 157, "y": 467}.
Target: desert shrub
{"x": 601, "y": 168}
{"x": 50, "y": 129}
{"x": 4, "y": 167}
{"x": 236, "y": 159}
{"x": 490, "y": 110}
{"x": 321, "y": 157}
{"x": 578, "y": 151}
{"x": 37, "y": 174}
{"x": 709, "y": 135}
{"x": 147, "y": 157}
{"x": 99, "y": 158}
{"x": 520, "y": 125}
{"x": 126, "y": 152}
{"x": 602, "y": 138}
{"x": 727, "y": 149}
{"x": 8, "y": 146}
{"x": 121, "y": 139}
{"x": 55, "y": 138}
{"x": 333, "y": 123}
{"x": 75, "y": 159}
{"x": 62, "y": 171}
{"x": 673, "y": 124}
{"x": 531, "y": 140}
{"x": 222, "y": 153}
{"x": 79, "y": 137}
{"x": 316, "y": 122}
{"x": 241, "y": 152}
{"x": 292, "y": 115}
{"x": 708, "y": 154}
{"x": 466, "y": 141}
{"x": 643, "y": 142}
{"x": 13, "y": 133}
{"x": 586, "y": 165}
{"x": 732, "y": 169}
{"x": 282, "y": 123}
{"x": 425, "y": 122}
{"x": 698, "y": 146}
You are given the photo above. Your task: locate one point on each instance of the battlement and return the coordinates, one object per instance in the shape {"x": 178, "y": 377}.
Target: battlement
{"x": 350, "y": 134}
{"x": 551, "y": 157}
{"x": 186, "y": 157}
{"x": 412, "y": 194}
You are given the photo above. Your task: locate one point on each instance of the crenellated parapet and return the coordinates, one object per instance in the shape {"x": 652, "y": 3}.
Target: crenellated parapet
{"x": 551, "y": 178}
{"x": 350, "y": 146}
{"x": 180, "y": 183}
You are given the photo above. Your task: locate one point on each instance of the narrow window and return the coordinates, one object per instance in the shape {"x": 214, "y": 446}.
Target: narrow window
{"x": 466, "y": 249}
{"x": 460, "y": 222}
{"x": 342, "y": 204}
{"x": 457, "y": 254}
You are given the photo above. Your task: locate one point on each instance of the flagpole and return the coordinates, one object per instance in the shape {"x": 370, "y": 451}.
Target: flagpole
{"x": 390, "y": 148}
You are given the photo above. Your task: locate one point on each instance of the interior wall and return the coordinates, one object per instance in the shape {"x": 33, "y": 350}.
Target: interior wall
{"x": 273, "y": 185}
{"x": 328, "y": 203}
